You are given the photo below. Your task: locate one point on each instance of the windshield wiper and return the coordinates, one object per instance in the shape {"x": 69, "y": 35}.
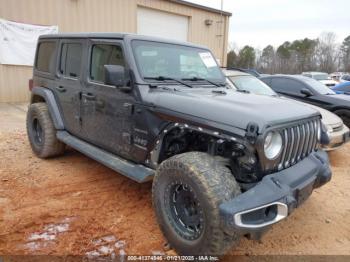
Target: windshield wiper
{"x": 203, "y": 79}
{"x": 164, "y": 78}
{"x": 243, "y": 91}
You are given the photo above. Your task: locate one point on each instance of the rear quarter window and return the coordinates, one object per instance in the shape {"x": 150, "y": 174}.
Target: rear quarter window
{"x": 45, "y": 60}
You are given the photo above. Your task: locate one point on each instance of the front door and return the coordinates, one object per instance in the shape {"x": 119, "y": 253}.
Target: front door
{"x": 106, "y": 111}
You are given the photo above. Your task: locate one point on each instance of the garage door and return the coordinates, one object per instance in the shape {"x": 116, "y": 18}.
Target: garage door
{"x": 162, "y": 24}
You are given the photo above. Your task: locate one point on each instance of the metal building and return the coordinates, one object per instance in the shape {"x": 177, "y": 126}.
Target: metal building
{"x": 175, "y": 19}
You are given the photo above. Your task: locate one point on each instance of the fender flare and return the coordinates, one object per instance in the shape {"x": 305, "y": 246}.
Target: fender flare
{"x": 50, "y": 100}
{"x": 154, "y": 155}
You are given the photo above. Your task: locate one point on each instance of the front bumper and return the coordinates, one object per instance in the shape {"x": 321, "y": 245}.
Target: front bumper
{"x": 337, "y": 139}
{"x": 274, "y": 197}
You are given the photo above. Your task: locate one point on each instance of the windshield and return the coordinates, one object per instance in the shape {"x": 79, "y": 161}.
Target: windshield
{"x": 319, "y": 87}
{"x": 175, "y": 61}
{"x": 321, "y": 77}
{"x": 251, "y": 84}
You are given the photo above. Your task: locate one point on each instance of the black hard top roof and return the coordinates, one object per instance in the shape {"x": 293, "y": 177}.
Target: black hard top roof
{"x": 85, "y": 35}
{"x": 117, "y": 36}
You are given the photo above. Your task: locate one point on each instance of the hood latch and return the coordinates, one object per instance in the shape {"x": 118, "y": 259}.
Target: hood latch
{"x": 252, "y": 132}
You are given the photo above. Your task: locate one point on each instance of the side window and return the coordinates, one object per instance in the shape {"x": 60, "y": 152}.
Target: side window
{"x": 104, "y": 54}
{"x": 278, "y": 85}
{"x": 266, "y": 81}
{"x": 45, "y": 60}
{"x": 70, "y": 63}
{"x": 286, "y": 86}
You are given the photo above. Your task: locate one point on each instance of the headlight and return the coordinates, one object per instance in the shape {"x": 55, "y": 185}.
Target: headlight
{"x": 272, "y": 145}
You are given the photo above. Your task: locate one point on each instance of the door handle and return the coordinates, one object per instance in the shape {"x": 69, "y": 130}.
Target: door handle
{"x": 129, "y": 106}
{"x": 61, "y": 88}
{"x": 88, "y": 96}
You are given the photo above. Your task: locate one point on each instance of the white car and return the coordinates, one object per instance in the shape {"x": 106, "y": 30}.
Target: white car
{"x": 336, "y": 129}
{"x": 324, "y": 78}
{"x": 344, "y": 78}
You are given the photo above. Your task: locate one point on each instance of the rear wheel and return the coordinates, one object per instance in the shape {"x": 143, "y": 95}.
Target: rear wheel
{"x": 187, "y": 191}
{"x": 42, "y": 133}
{"x": 344, "y": 115}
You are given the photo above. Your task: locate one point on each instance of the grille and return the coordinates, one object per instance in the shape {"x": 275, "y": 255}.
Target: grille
{"x": 299, "y": 141}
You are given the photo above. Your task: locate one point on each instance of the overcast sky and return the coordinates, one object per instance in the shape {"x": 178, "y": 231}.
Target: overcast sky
{"x": 262, "y": 22}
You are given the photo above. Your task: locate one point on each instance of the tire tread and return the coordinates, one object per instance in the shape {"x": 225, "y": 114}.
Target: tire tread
{"x": 218, "y": 183}
{"x": 51, "y": 146}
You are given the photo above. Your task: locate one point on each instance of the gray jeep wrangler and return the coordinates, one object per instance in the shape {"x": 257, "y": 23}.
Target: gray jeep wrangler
{"x": 224, "y": 163}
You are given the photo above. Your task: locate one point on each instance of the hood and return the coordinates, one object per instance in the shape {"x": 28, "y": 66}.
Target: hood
{"x": 328, "y": 118}
{"x": 230, "y": 108}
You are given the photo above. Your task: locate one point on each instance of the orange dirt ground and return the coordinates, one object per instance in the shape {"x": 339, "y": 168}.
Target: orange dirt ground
{"x": 72, "y": 205}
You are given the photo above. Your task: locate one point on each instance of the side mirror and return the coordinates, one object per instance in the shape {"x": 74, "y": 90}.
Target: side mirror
{"x": 306, "y": 92}
{"x": 116, "y": 75}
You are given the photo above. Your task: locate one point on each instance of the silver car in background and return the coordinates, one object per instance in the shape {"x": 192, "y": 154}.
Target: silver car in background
{"x": 248, "y": 83}
{"x": 322, "y": 77}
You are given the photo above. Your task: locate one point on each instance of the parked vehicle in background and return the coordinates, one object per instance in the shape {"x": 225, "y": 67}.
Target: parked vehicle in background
{"x": 223, "y": 163}
{"x": 336, "y": 76}
{"x": 324, "y": 78}
{"x": 336, "y": 130}
{"x": 310, "y": 91}
{"x": 344, "y": 78}
{"x": 342, "y": 88}
{"x": 250, "y": 71}
{"x": 245, "y": 82}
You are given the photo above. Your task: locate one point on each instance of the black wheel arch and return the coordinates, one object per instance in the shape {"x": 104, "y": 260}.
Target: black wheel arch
{"x": 155, "y": 154}
{"x": 42, "y": 94}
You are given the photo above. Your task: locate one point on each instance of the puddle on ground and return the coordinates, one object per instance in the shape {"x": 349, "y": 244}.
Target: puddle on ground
{"x": 107, "y": 247}
{"x": 46, "y": 237}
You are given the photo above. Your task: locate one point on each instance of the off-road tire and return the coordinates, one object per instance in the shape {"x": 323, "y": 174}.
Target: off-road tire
{"x": 212, "y": 183}
{"x": 48, "y": 146}
{"x": 344, "y": 115}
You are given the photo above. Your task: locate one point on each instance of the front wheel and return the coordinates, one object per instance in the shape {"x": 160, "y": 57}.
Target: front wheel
{"x": 187, "y": 191}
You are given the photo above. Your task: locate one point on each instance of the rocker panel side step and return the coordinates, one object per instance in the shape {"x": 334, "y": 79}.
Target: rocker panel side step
{"x": 133, "y": 171}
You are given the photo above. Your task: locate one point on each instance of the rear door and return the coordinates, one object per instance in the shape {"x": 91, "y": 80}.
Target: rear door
{"x": 107, "y": 111}
{"x": 68, "y": 86}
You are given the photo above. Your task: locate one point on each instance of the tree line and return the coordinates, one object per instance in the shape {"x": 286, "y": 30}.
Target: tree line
{"x": 321, "y": 54}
